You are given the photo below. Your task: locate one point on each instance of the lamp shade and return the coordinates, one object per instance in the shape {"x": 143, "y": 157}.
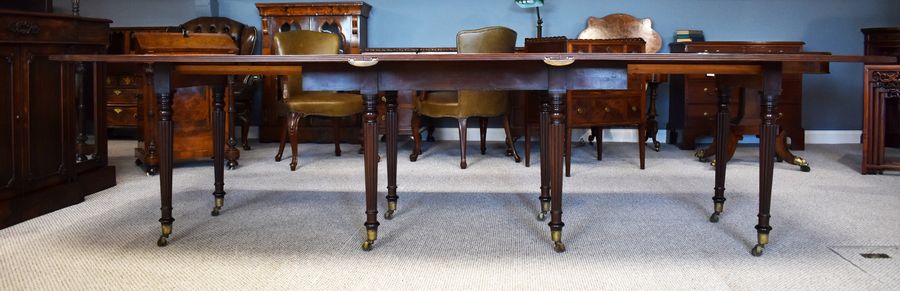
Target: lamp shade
{"x": 530, "y": 3}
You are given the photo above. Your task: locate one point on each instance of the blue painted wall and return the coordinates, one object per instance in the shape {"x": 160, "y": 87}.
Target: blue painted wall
{"x": 831, "y": 101}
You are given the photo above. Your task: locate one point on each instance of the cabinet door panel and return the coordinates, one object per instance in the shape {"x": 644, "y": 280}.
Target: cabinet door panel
{"x": 7, "y": 121}
{"x": 45, "y": 123}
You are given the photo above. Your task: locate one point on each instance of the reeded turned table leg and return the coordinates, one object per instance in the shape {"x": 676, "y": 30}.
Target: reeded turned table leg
{"x": 557, "y": 142}
{"x": 545, "y": 161}
{"x": 219, "y": 150}
{"x": 165, "y": 166}
{"x": 722, "y": 133}
{"x": 370, "y": 149}
{"x": 768, "y": 131}
{"x": 392, "y": 128}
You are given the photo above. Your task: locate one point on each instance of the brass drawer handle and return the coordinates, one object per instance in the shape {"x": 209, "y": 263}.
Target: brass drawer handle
{"x": 580, "y": 110}
{"x": 606, "y": 109}
{"x": 117, "y": 110}
{"x": 705, "y": 114}
{"x": 383, "y": 99}
{"x": 383, "y": 117}
{"x": 117, "y": 92}
{"x": 634, "y": 108}
{"x": 705, "y": 89}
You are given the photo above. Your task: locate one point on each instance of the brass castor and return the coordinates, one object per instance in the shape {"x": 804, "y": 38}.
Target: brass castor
{"x": 758, "y": 250}
{"x": 463, "y": 165}
{"x": 391, "y": 209}
{"x": 293, "y": 166}
{"x": 231, "y": 165}
{"x": 700, "y": 154}
{"x": 804, "y": 168}
{"x": 413, "y": 157}
{"x": 152, "y": 171}
{"x": 215, "y": 211}
{"x": 219, "y": 202}
{"x": 559, "y": 246}
{"x": 714, "y": 217}
{"x": 656, "y": 146}
{"x": 367, "y": 245}
{"x": 541, "y": 216}
{"x": 162, "y": 241}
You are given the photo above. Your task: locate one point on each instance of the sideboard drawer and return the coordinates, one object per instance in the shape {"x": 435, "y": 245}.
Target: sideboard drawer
{"x": 588, "y": 111}
{"x": 122, "y": 95}
{"x": 121, "y": 116}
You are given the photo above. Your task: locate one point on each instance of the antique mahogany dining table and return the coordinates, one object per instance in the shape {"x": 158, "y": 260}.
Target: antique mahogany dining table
{"x": 554, "y": 73}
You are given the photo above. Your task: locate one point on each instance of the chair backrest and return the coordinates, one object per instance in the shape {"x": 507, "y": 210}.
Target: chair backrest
{"x": 244, "y": 36}
{"x": 620, "y": 25}
{"x": 303, "y": 42}
{"x": 492, "y": 39}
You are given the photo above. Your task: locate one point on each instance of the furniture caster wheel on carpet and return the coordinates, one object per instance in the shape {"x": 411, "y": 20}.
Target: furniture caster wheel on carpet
{"x": 656, "y": 146}
{"x": 162, "y": 241}
{"x": 152, "y": 171}
{"x": 463, "y": 165}
{"x": 559, "y": 247}
{"x": 278, "y": 158}
{"x": 541, "y": 216}
{"x": 231, "y": 165}
{"x": 804, "y": 168}
{"x": 389, "y": 214}
{"x": 367, "y": 245}
{"x": 215, "y": 211}
{"x": 413, "y": 157}
{"x": 714, "y": 217}
{"x": 757, "y": 250}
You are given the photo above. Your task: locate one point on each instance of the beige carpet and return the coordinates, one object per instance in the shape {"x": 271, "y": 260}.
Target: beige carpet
{"x": 470, "y": 229}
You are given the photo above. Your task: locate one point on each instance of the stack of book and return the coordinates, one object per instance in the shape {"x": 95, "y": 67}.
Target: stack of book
{"x": 688, "y": 35}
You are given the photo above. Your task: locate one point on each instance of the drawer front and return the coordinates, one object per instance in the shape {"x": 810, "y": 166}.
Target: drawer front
{"x": 121, "y": 116}
{"x": 586, "y": 111}
{"x": 741, "y": 48}
{"x": 123, "y": 80}
{"x": 34, "y": 29}
{"x": 122, "y": 95}
{"x": 700, "y": 91}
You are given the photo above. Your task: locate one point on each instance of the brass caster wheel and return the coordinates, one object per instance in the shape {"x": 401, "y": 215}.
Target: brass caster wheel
{"x": 152, "y": 171}
{"x": 389, "y": 214}
{"x": 700, "y": 155}
{"x": 656, "y": 146}
{"x": 413, "y": 157}
{"x": 463, "y": 165}
{"x": 293, "y": 167}
{"x": 367, "y": 245}
{"x": 541, "y": 216}
{"x": 714, "y": 217}
{"x": 757, "y": 250}
{"x": 162, "y": 241}
{"x": 278, "y": 158}
{"x": 518, "y": 159}
{"x": 804, "y": 168}
{"x": 231, "y": 165}
{"x": 215, "y": 211}
{"x": 559, "y": 246}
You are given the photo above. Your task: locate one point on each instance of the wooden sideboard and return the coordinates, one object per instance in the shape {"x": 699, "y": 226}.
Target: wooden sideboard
{"x": 692, "y": 98}
{"x": 588, "y": 109}
{"x": 53, "y": 146}
{"x": 347, "y": 19}
{"x": 885, "y": 41}
{"x": 882, "y": 85}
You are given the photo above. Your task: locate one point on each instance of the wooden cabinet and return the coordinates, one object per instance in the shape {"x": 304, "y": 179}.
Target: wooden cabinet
{"x": 347, "y": 19}
{"x": 42, "y": 114}
{"x": 692, "y": 98}
{"x": 885, "y": 41}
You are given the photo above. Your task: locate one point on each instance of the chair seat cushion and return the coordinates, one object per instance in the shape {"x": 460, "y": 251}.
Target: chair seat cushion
{"x": 328, "y": 104}
{"x": 440, "y": 104}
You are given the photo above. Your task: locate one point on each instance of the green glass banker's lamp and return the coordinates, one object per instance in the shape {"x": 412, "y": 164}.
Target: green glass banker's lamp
{"x": 536, "y": 4}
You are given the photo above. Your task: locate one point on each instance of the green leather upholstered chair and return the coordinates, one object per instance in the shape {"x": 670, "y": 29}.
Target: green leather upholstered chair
{"x": 464, "y": 104}
{"x": 296, "y": 103}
